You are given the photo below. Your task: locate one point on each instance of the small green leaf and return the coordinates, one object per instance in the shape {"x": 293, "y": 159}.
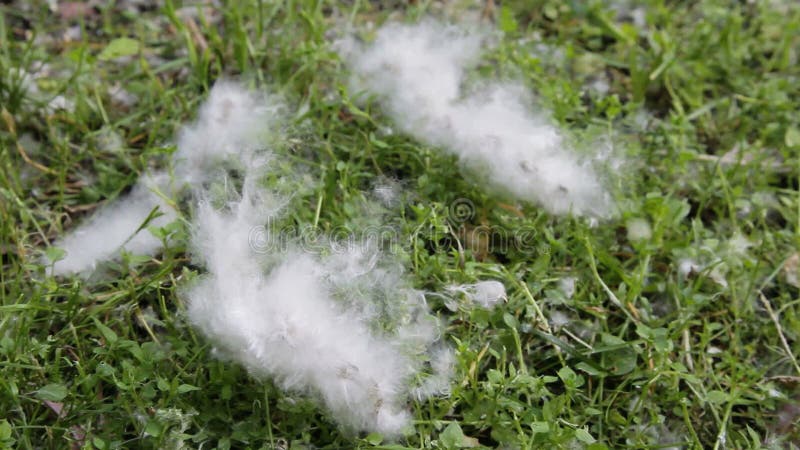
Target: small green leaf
{"x": 611, "y": 340}
{"x": 510, "y": 320}
{"x": 717, "y": 397}
{"x": 540, "y": 427}
{"x": 184, "y": 388}
{"x": 54, "y": 254}
{"x": 133, "y": 348}
{"x": 507, "y": 21}
{"x": 661, "y": 341}
{"x": 226, "y": 393}
{"x": 566, "y": 374}
{"x": 377, "y": 142}
{"x": 152, "y": 351}
{"x": 616, "y": 418}
{"x": 619, "y": 357}
{"x": 494, "y": 376}
{"x": 584, "y": 436}
{"x": 153, "y": 428}
{"x": 452, "y": 436}
{"x": 754, "y": 437}
{"x": 163, "y": 384}
{"x": 6, "y": 345}
{"x": 620, "y": 362}
{"x": 5, "y": 430}
{"x": 108, "y": 333}
{"x": 105, "y": 370}
{"x": 374, "y": 438}
{"x": 52, "y": 392}
{"x": 119, "y": 47}
{"x": 592, "y": 411}
{"x": 550, "y": 11}
{"x": 587, "y": 368}
{"x": 571, "y": 379}
{"x": 792, "y": 137}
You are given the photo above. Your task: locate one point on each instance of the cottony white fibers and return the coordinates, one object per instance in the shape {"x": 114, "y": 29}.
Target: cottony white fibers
{"x": 567, "y": 286}
{"x": 638, "y": 230}
{"x": 227, "y": 128}
{"x": 115, "y": 227}
{"x": 418, "y": 70}
{"x": 558, "y": 320}
{"x": 230, "y": 127}
{"x": 285, "y": 322}
{"x": 485, "y": 293}
{"x": 442, "y": 369}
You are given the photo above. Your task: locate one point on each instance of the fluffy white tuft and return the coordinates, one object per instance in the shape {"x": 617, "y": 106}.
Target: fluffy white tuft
{"x": 638, "y": 230}
{"x": 567, "y": 286}
{"x": 485, "y": 293}
{"x": 230, "y": 126}
{"x": 114, "y": 228}
{"x": 340, "y": 321}
{"x": 418, "y": 71}
{"x": 227, "y": 128}
{"x": 346, "y": 327}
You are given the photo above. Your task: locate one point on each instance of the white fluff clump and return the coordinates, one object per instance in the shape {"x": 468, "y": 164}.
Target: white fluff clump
{"x": 346, "y": 327}
{"x": 114, "y": 228}
{"x": 484, "y": 293}
{"x": 227, "y": 128}
{"x": 230, "y": 126}
{"x": 340, "y": 322}
{"x": 418, "y": 71}
{"x": 638, "y": 230}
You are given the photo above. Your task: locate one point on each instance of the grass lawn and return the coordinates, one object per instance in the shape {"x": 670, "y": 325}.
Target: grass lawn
{"x": 674, "y": 324}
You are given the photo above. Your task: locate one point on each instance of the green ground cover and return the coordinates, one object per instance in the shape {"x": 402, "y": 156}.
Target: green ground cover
{"x": 683, "y": 330}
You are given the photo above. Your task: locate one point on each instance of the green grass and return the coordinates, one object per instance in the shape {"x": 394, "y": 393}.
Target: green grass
{"x": 702, "y": 103}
